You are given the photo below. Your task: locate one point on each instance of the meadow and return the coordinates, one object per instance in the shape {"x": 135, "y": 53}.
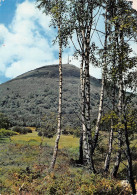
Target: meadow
{"x": 24, "y": 162}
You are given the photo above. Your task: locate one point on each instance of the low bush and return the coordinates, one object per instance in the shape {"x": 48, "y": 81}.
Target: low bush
{"x": 71, "y": 131}
{"x": 4, "y": 121}
{"x": 46, "y": 134}
{"x": 28, "y": 129}
{"x": 48, "y": 126}
{"x": 6, "y": 133}
{"x": 21, "y": 130}
{"x": 79, "y": 184}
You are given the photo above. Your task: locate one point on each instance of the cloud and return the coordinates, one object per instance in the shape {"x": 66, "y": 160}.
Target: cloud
{"x": 135, "y": 4}
{"x": 27, "y": 43}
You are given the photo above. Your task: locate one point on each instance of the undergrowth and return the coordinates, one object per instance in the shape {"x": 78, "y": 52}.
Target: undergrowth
{"x": 24, "y": 162}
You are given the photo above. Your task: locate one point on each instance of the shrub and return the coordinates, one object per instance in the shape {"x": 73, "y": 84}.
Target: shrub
{"x": 6, "y": 133}
{"x": 28, "y": 129}
{"x": 71, "y": 131}
{"x": 47, "y": 134}
{"x": 48, "y": 125}
{"x": 4, "y": 121}
{"x": 22, "y": 130}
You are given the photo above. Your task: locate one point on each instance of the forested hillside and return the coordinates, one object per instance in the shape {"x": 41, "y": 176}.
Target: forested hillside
{"x": 29, "y": 97}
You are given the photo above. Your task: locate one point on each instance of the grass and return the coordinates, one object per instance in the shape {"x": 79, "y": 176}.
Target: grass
{"x": 24, "y": 163}
{"x": 65, "y": 141}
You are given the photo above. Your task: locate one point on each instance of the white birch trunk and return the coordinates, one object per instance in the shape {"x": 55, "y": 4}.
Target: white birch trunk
{"x": 82, "y": 96}
{"x": 90, "y": 163}
{"x": 120, "y": 104}
{"x": 107, "y": 160}
{"x": 118, "y": 157}
{"x": 86, "y": 158}
{"x": 60, "y": 106}
{"x": 95, "y": 140}
{"x": 129, "y": 156}
{"x": 108, "y": 157}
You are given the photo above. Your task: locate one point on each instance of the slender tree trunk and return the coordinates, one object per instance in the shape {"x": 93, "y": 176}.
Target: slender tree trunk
{"x": 129, "y": 158}
{"x": 90, "y": 163}
{"x": 87, "y": 109}
{"x": 85, "y": 104}
{"x": 108, "y": 157}
{"x": 83, "y": 130}
{"x": 120, "y": 105}
{"x": 52, "y": 165}
{"x": 81, "y": 148}
{"x": 118, "y": 158}
{"x": 95, "y": 140}
{"x": 128, "y": 154}
{"x": 86, "y": 115}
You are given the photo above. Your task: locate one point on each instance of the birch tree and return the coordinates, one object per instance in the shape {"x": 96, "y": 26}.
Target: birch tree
{"x": 104, "y": 71}
{"x": 56, "y": 9}
{"x": 113, "y": 75}
{"x": 124, "y": 28}
{"x": 122, "y": 32}
{"x": 82, "y": 16}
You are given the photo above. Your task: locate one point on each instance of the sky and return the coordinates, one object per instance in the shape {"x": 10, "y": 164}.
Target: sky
{"x": 26, "y": 40}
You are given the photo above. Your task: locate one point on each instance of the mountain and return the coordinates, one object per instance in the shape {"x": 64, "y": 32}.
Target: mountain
{"x": 31, "y": 96}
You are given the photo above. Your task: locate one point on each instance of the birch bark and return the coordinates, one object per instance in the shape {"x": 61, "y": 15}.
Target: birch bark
{"x": 52, "y": 165}
{"x": 120, "y": 104}
{"x": 82, "y": 139}
{"x": 129, "y": 157}
{"x": 95, "y": 140}
{"x": 107, "y": 160}
{"x": 87, "y": 101}
{"x": 118, "y": 157}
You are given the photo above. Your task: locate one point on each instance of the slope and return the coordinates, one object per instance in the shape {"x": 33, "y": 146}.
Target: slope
{"x": 30, "y": 96}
